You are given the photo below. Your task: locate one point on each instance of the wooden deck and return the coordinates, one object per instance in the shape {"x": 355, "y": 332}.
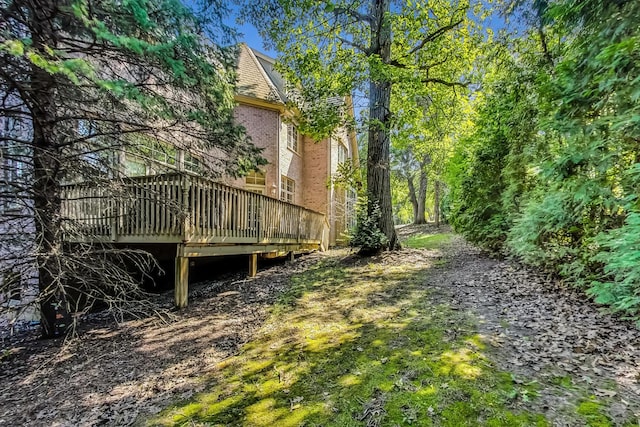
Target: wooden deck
{"x": 200, "y": 216}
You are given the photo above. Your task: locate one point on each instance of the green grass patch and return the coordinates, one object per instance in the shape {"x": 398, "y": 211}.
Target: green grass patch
{"x": 593, "y": 413}
{"x": 360, "y": 345}
{"x": 428, "y": 241}
{"x": 564, "y": 381}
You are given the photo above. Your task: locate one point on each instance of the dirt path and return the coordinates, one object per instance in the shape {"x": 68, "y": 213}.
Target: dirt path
{"x": 551, "y": 339}
{"x": 548, "y": 334}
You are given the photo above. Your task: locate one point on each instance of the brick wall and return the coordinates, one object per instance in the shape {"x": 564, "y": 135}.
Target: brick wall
{"x": 316, "y": 174}
{"x": 311, "y": 167}
{"x": 263, "y": 127}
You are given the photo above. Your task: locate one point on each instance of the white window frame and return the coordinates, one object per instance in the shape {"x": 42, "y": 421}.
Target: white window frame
{"x": 287, "y": 189}
{"x": 255, "y": 186}
{"x": 293, "y": 138}
{"x": 343, "y": 152}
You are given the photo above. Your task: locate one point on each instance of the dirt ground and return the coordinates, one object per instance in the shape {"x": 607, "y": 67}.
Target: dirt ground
{"x": 536, "y": 328}
{"x": 112, "y": 374}
{"x": 548, "y": 334}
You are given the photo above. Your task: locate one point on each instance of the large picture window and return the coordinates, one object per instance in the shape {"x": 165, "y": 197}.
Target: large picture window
{"x": 287, "y": 190}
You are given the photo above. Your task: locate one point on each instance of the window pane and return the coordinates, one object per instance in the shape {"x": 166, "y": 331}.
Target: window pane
{"x": 255, "y": 178}
{"x": 287, "y": 190}
{"x": 292, "y": 137}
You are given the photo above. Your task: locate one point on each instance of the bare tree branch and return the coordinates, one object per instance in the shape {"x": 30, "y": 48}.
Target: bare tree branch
{"x": 434, "y": 36}
{"x": 353, "y": 13}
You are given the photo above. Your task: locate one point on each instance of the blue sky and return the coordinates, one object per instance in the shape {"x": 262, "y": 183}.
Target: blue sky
{"x": 248, "y": 34}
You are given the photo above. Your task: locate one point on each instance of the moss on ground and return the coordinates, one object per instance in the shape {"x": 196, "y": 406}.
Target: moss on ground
{"x": 356, "y": 345}
{"x": 592, "y": 412}
{"x": 353, "y": 344}
{"x": 428, "y": 241}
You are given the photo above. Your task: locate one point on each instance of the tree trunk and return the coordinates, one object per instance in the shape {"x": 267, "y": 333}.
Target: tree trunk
{"x": 436, "y": 206}
{"x": 422, "y": 199}
{"x": 378, "y": 165}
{"x": 46, "y": 183}
{"x": 412, "y": 197}
{"x": 420, "y": 217}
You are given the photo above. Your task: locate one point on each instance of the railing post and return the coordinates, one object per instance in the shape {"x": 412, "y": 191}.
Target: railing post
{"x": 114, "y": 220}
{"x": 259, "y": 219}
{"x": 186, "y": 207}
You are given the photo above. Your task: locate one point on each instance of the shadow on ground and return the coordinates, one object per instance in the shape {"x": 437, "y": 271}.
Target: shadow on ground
{"x": 356, "y": 342}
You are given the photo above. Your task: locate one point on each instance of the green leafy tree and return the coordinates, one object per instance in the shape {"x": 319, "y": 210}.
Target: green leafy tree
{"x": 494, "y": 164}
{"x": 431, "y": 119}
{"x": 550, "y": 171}
{"x": 333, "y": 48}
{"x": 85, "y": 80}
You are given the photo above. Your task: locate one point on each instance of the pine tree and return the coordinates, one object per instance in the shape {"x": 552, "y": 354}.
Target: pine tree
{"x": 84, "y": 80}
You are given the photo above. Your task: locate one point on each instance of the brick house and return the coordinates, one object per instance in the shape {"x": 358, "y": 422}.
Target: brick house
{"x": 299, "y": 172}
{"x": 299, "y": 169}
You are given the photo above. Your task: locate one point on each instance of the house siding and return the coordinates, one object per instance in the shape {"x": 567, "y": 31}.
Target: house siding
{"x": 291, "y": 163}
{"x": 316, "y": 175}
{"x": 262, "y": 126}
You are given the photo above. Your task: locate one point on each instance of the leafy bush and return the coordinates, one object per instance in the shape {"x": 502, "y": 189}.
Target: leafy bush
{"x": 551, "y": 171}
{"x": 366, "y": 235}
{"x": 620, "y": 255}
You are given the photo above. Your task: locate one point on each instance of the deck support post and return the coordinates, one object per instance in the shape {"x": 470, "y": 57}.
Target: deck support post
{"x": 253, "y": 265}
{"x": 182, "y": 281}
{"x": 292, "y": 256}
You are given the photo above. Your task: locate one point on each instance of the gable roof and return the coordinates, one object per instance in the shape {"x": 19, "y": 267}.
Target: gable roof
{"x": 268, "y": 65}
{"x": 257, "y": 77}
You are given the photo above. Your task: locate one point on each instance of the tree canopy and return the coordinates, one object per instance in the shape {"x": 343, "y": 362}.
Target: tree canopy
{"x": 377, "y": 48}
{"x": 549, "y": 171}
{"x": 83, "y": 81}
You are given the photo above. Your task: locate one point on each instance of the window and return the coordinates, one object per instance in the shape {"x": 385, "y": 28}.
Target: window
{"x": 255, "y": 182}
{"x": 192, "y": 164}
{"x": 287, "y": 190}
{"x": 342, "y": 152}
{"x": 292, "y": 137}
{"x": 255, "y": 178}
{"x": 147, "y": 156}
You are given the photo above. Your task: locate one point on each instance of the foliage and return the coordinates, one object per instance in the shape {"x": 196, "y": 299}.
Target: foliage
{"x": 620, "y": 255}
{"x": 348, "y": 176}
{"x": 82, "y": 82}
{"x": 366, "y": 235}
{"x": 550, "y": 171}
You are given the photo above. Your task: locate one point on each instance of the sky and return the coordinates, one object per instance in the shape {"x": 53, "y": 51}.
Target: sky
{"x": 248, "y": 34}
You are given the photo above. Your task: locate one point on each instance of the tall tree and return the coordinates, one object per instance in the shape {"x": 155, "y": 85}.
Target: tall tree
{"x": 333, "y": 48}
{"x": 430, "y": 119}
{"x": 85, "y": 80}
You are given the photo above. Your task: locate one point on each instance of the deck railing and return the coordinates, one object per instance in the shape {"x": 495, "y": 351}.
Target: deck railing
{"x": 185, "y": 209}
